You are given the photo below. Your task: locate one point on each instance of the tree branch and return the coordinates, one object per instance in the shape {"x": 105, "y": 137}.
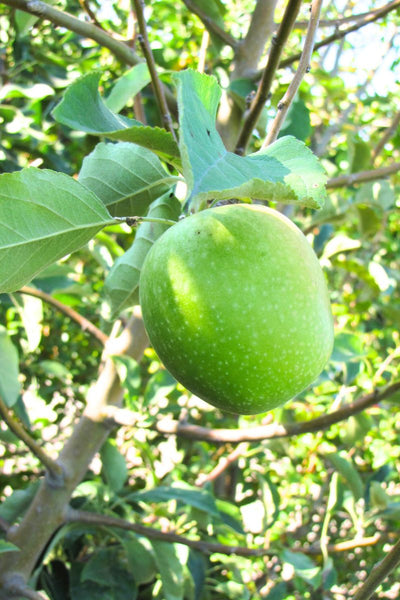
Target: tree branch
{"x": 278, "y": 43}
{"x": 15, "y": 587}
{"x": 46, "y": 512}
{"x": 250, "y": 49}
{"x": 210, "y": 24}
{"x": 339, "y": 21}
{"x": 4, "y": 525}
{"x": 388, "y": 133}
{"x": 81, "y": 516}
{"x": 362, "y": 176}
{"x": 121, "y": 50}
{"x": 45, "y": 11}
{"x": 86, "y": 7}
{"x": 68, "y": 311}
{"x": 143, "y": 39}
{"x": 349, "y": 544}
{"x": 379, "y": 573}
{"x": 304, "y": 65}
{"x": 223, "y": 464}
{"x": 53, "y": 468}
{"x": 245, "y": 64}
{"x": 275, "y": 430}
{"x": 341, "y": 33}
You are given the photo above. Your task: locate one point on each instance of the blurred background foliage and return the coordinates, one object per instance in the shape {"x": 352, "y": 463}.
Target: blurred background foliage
{"x": 325, "y": 506}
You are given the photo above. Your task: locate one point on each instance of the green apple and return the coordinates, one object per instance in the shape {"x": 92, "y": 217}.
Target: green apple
{"x": 236, "y": 306}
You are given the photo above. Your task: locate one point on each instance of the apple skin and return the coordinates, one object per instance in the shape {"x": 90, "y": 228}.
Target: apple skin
{"x": 236, "y": 306}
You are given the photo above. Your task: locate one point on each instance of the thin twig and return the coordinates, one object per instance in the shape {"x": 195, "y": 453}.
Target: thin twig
{"x": 278, "y": 43}
{"x": 339, "y": 21}
{"x": 68, "y": 311}
{"x": 81, "y": 516}
{"x": 304, "y": 65}
{"x": 387, "y": 135}
{"x": 143, "y": 40}
{"x": 210, "y": 24}
{"x": 223, "y": 464}
{"x": 364, "y": 542}
{"x": 88, "y": 30}
{"x": 86, "y": 7}
{"x": 362, "y": 176}
{"x": 379, "y": 573}
{"x": 333, "y": 128}
{"x": 120, "y": 49}
{"x": 385, "y": 364}
{"x": 46, "y": 512}
{"x": 275, "y": 430}
{"x": 341, "y": 33}
{"x": 54, "y": 469}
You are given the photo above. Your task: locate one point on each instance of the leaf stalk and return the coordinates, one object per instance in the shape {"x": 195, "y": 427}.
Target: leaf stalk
{"x": 143, "y": 40}
{"x": 135, "y": 221}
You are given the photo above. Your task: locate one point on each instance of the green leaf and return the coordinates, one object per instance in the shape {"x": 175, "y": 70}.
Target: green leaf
{"x": 126, "y": 177}
{"x": 197, "y": 564}
{"x": 160, "y": 384}
{"x": 8, "y": 547}
{"x": 187, "y": 495}
{"x": 270, "y": 498}
{"x": 140, "y": 559}
{"x": 129, "y": 373}
{"x": 392, "y": 512}
{"x": 348, "y": 346}
{"x": 232, "y": 590}
{"x": 340, "y": 243}
{"x": 379, "y": 499}
{"x": 102, "y": 578}
{"x": 43, "y": 216}
{"x": 215, "y": 10}
{"x": 361, "y": 271}
{"x": 82, "y": 108}
{"x": 303, "y": 566}
{"x": 230, "y": 515}
{"x": 297, "y": 122}
{"x": 286, "y": 171}
{"x": 359, "y": 153}
{"x": 10, "y": 388}
{"x": 127, "y": 86}
{"x": 54, "y": 368}
{"x": 370, "y": 220}
{"x": 17, "y": 503}
{"x": 278, "y": 592}
{"x": 37, "y": 91}
{"x": 169, "y": 564}
{"x": 24, "y": 22}
{"x": 114, "y": 465}
{"x": 349, "y": 473}
{"x": 356, "y": 428}
{"x": 122, "y": 282}
{"x": 379, "y": 194}
{"x": 99, "y": 568}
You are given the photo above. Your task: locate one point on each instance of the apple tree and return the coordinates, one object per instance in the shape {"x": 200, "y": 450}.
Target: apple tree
{"x": 199, "y": 300}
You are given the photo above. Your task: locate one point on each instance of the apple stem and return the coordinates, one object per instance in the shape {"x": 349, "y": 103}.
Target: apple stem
{"x": 135, "y": 221}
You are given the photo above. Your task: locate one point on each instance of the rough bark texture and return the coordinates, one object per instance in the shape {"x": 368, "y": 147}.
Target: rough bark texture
{"x": 47, "y": 511}
{"x": 245, "y": 64}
